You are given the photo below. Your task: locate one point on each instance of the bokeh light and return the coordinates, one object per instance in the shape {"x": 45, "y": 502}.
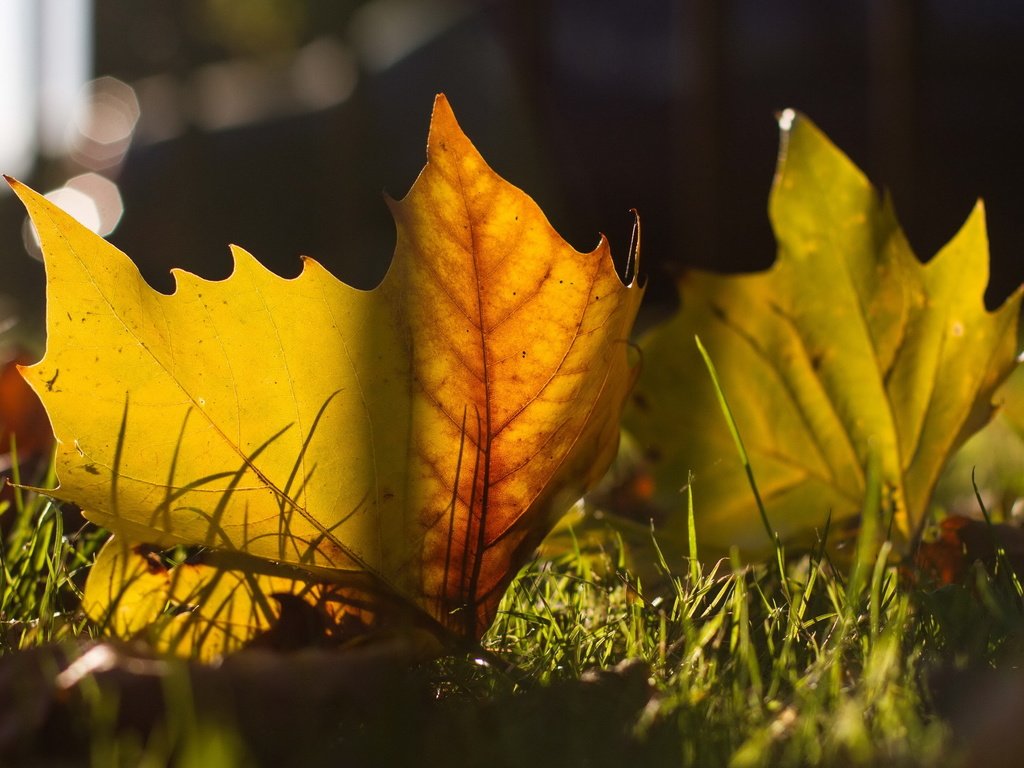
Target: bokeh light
{"x": 103, "y": 126}
{"x": 94, "y": 200}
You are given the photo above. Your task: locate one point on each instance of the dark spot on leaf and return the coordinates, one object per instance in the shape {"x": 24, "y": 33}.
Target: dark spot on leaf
{"x": 298, "y": 625}
{"x": 653, "y": 453}
{"x": 91, "y": 469}
{"x": 524, "y": 353}
{"x": 177, "y": 608}
{"x": 152, "y": 557}
{"x": 641, "y": 401}
{"x": 50, "y": 383}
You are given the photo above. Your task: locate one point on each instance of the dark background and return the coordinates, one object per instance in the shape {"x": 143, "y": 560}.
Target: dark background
{"x": 593, "y": 107}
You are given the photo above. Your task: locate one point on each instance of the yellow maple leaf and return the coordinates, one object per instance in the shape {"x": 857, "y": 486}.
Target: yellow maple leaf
{"x": 847, "y": 351}
{"x": 427, "y": 432}
{"x": 229, "y": 601}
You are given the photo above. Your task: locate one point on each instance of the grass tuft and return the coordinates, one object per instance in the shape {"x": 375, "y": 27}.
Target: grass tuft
{"x": 45, "y": 551}
{"x": 788, "y": 662}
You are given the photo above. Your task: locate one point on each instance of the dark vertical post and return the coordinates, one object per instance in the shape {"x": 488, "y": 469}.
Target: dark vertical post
{"x": 892, "y": 80}
{"x": 698, "y": 103}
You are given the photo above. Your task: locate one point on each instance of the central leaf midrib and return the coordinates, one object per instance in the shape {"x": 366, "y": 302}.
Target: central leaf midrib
{"x": 485, "y": 443}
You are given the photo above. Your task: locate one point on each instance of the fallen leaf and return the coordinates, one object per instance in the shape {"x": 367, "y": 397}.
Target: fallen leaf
{"x": 218, "y": 603}
{"x": 22, "y": 418}
{"x": 848, "y": 350}
{"x": 427, "y": 432}
{"x": 127, "y": 589}
{"x": 958, "y": 542}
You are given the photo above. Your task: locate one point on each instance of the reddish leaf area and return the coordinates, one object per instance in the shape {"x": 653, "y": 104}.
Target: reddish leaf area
{"x": 21, "y": 414}
{"x": 961, "y": 542}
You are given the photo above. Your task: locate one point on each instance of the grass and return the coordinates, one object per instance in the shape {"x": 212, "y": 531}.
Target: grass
{"x": 795, "y": 661}
{"x": 744, "y": 671}
{"x": 710, "y": 663}
{"x": 42, "y": 567}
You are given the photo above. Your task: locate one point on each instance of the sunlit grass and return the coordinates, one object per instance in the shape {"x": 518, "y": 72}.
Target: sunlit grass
{"x": 707, "y": 663}
{"x": 42, "y": 567}
{"x": 742, "y": 672}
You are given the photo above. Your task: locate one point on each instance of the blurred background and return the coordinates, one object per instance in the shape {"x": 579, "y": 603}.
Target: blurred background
{"x": 175, "y": 127}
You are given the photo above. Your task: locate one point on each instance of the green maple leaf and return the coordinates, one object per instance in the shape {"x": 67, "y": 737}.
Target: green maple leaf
{"x": 847, "y": 351}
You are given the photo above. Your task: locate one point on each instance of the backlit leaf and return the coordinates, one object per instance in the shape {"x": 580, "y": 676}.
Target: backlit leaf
{"x": 847, "y": 348}
{"x": 221, "y": 602}
{"x": 427, "y": 432}
{"x": 127, "y": 589}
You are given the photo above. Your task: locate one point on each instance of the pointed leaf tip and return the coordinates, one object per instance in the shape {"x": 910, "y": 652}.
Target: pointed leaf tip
{"x": 786, "y": 118}
{"x": 442, "y": 110}
{"x": 444, "y": 129}
{"x": 23, "y": 191}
